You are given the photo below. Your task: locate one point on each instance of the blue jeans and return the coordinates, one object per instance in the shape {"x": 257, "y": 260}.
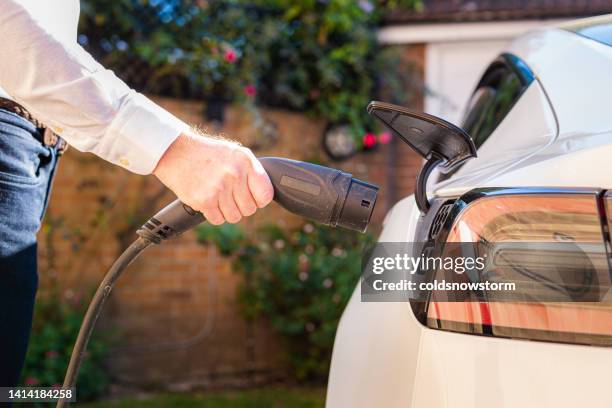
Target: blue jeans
{"x": 26, "y": 173}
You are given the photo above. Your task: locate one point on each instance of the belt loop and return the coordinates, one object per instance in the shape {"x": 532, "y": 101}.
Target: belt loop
{"x": 51, "y": 139}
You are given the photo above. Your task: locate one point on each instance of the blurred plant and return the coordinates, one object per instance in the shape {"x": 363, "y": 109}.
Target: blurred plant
{"x": 57, "y": 318}
{"x": 173, "y": 47}
{"x": 314, "y": 56}
{"x": 227, "y": 237}
{"x": 300, "y": 281}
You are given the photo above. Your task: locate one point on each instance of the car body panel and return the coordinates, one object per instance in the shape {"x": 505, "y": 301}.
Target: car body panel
{"x": 558, "y": 134}
{"x": 483, "y": 372}
{"x": 373, "y": 358}
{"x": 579, "y": 162}
{"x": 529, "y": 127}
{"x": 574, "y": 72}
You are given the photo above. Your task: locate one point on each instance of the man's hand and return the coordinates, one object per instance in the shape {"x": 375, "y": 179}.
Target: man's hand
{"x": 221, "y": 179}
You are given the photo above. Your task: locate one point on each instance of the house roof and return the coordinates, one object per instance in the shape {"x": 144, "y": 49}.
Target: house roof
{"x": 495, "y": 10}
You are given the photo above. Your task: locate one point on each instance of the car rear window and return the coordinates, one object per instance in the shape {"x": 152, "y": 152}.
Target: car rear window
{"x": 598, "y": 29}
{"x": 500, "y": 87}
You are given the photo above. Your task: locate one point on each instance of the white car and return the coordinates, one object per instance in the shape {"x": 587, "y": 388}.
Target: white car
{"x": 541, "y": 123}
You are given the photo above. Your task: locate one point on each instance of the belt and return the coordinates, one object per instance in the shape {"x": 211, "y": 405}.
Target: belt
{"x": 47, "y": 137}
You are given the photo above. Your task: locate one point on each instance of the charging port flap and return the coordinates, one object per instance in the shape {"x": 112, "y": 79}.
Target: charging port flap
{"x": 428, "y": 135}
{"x": 441, "y": 143}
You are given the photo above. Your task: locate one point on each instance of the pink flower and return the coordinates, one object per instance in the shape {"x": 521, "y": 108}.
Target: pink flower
{"x": 51, "y": 354}
{"x": 384, "y": 138}
{"x": 366, "y": 6}
{"x": 56, "y": 386}
{"x": 369, "y": 140}
{"x": 31, "y": 381}
{"x": 250, "y": 90}
{"x": 230, "y": 55}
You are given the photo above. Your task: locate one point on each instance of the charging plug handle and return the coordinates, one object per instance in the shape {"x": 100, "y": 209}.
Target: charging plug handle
{"x": 322, "y": 194}
{"x": 328, "y": 196}
{"x": 170, "y": 221}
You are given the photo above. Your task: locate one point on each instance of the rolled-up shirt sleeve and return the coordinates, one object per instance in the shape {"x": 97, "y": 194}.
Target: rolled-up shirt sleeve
{"x": 65, "y": 88}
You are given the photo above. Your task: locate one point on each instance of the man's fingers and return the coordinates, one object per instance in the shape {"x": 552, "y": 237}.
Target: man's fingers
{"x": 228, "y": 207}
{"x": 221, "y": 179}
{"x": 213, "y": 216}
{"x": 260, "y": 185}
{"x": 244, "y": 200}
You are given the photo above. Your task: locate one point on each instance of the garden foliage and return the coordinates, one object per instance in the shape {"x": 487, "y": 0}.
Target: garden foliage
{"x": 57, "y": 319}
{"x": 317, "y": 56}
{"x": 299, "y": 280}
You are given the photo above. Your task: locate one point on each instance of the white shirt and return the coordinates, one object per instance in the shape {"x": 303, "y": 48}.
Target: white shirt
{"x": 43, "y": 68}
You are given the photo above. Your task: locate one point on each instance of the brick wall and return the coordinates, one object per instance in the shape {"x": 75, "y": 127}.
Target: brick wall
{"x": 175, "y": 308}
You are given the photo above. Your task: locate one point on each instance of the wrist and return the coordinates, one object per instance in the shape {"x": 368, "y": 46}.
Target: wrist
{"x": 173, "y": 152}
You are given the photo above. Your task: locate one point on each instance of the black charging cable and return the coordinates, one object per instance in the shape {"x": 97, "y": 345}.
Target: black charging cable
{"x": 94, "y": 309}
{"x": 172, "y": 220}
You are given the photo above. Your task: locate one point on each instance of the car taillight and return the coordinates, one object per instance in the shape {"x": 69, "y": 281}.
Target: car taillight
{"x": 608, "y": 210}
{"x": 552, "y": 242}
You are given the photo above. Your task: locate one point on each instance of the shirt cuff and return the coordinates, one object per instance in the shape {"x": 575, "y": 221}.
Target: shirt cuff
{"x": 139, "y": 135}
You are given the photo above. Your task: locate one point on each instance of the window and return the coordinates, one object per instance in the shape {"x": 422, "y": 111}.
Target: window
{"x": 499, "y": 89}
{"x": 598, "y": 29}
